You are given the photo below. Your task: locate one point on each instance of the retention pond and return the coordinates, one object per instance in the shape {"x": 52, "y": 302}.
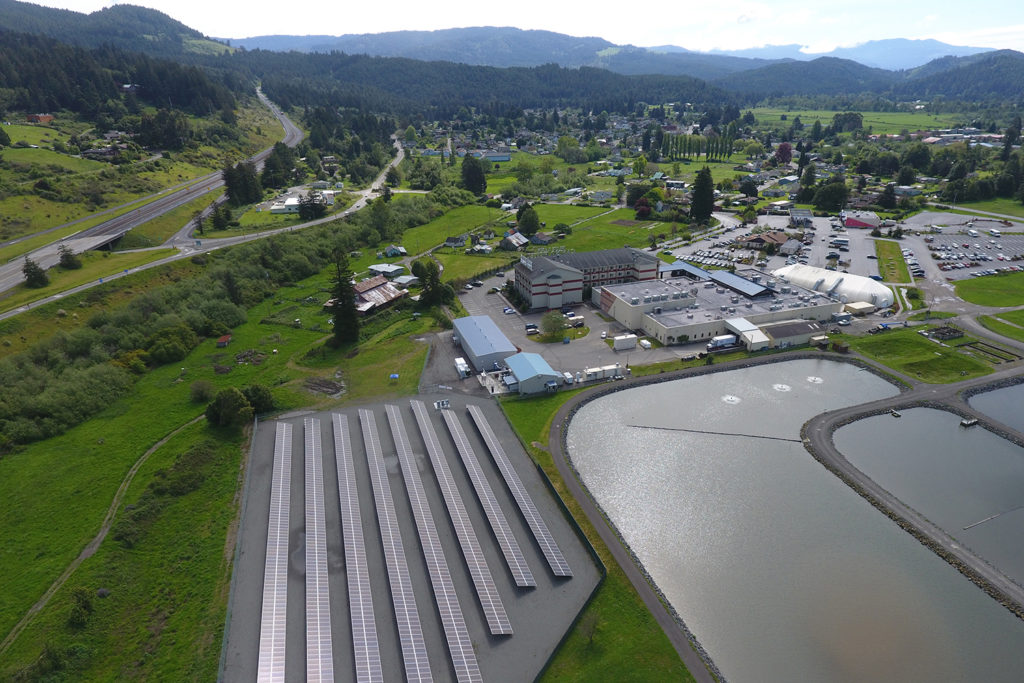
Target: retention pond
{"x": 780, "y": 570}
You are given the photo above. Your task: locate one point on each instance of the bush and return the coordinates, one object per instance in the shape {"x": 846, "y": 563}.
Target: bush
{"x": 201, "y": 391}
{"x": 259, "y": 397}
{"x": 229, "y": 408}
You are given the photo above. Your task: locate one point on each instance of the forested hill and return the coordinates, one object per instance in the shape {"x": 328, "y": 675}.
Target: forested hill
{"x": 39, "y": 74}
{"x": 442, "y": 88}
{"x": 125, "y": 26}
{"x": 822, "y": 76}
{"x": 992, "y": 75}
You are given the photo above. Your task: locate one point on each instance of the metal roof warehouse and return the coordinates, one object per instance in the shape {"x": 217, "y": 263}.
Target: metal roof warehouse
{"x": 481, "y": 340}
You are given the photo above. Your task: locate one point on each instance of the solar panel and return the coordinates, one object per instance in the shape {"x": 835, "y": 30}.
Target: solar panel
{"x": 319, "y": 655}
{"x": 460, "y": 645}
{"x": 483, "y": 582}
{"x": 536, "y": 523}
{"x": 364, "y": 629}
{"x": 495, "y": 515}
{"x": 410, "y": 632}
{"x": 273, "y": 621}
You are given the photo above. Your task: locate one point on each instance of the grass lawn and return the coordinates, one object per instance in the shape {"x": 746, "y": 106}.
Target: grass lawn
{"x": 458, "y": 221}
{"x": 158, "y": 230}
{"x": 168, "y": 594}
{"x": 95, "y": 265}
{"x": 459, "y": 266}
{"x": 553, "y": 214}
{"x": 913, "y": 355}
{"x": 616, "y": 638}
{"x": 891, "y": 265}
{"x": 879, "y": 122}
{"x": 929, "y": 315}
{"x": 1010, "y": 207}
{"x": 1003, "y": 289}
{"x": 999, "y": 325}
{"x": 602, "y": 233}
{"x": 34, "y": 134}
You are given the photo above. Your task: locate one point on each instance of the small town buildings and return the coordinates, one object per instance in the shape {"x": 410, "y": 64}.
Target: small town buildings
{"x": 39, "y": 118}
{"x": 289, "y": 205}
{"x": 483, "y": 344}
{"x": 801, "y": 218}
{"x": 559, "y": 279}
{"x": 455, "y": 241}
{"x": 860, "y": 219}
{"x": 375, "y": 293}
{"x": 514, "y": 241}
{"x": 406, "y": 281}
{"x": 772, "y": 238}
{"x": 388, "y": 270}
{"x": 393, "y": 250}
{"x": 530, "y": 374}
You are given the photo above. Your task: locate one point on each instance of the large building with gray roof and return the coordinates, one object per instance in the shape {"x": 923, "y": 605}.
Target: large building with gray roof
{"x": 483, "y": 344}
{"x": 681, "y": 310}
{"x": 558, "y": 280}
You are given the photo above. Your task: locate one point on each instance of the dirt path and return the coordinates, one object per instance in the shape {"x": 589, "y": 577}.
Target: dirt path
{"x": 93, "y": 545}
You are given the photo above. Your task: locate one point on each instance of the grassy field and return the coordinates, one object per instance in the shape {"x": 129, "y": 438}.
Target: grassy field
{"x": 1004, "y": 289}
{"x": 1001, "y": 327}
{"x": 602, "y": 233}
{"x": 52, "y": 529}
{"x": 553, "y": 214}
{"x": 616, "y": 638}
{"x": 458, "y": 266}
{"x": 168, "y": 593}
{"x": 95, "y": 265}
{"x": 891, "y": 265}
{"x": 34, "y": 134}
{"x": 908, "y": 352}
{"x": 158, "y": 230}
{"x": 1009, "y": 207}
{"x": 878, "y": 122}
{"x": 458, "y": 221}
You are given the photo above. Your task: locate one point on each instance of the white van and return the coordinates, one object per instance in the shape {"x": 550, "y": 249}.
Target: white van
{"x": 972, "y": 232}
{"x": 995, "y": 233}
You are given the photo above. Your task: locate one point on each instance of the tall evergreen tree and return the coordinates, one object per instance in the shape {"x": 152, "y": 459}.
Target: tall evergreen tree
{"x": 343, "y": 302}
{"x": 703, "y": 201}
{"x": 473, "y": 178}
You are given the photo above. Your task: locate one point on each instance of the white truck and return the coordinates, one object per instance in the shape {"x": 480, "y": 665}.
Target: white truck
{"x": 722, "y": 341}
{"x": 624, "y": 342}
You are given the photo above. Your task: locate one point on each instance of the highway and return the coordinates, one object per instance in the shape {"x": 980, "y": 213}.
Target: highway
{"x": 11, "y": 275}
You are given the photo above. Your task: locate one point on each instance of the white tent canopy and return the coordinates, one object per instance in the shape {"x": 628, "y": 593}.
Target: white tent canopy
{"x": 844, "y": 286}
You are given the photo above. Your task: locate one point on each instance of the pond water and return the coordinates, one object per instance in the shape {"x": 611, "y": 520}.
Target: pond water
{"x": 968, "y": 481}
{"x": 780, "y": 570}
{"x": 1005, "y": 405}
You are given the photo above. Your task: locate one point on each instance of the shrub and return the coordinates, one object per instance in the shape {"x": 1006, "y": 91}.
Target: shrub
{"x": 201, "y": 391}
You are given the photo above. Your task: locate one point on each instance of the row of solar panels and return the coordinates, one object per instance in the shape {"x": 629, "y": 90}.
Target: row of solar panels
{"x": 319, "y": 659}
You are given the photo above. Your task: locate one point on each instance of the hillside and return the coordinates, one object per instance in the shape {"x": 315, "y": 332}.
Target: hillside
{"x": 990, "y": 75}
{"x": 822, "y": 76}
{"x": 125, "y": 26}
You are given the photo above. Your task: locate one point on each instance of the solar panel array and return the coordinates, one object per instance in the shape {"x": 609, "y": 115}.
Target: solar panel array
{"x": 460, "y": 645}
{"x": 483, "y": 582}
{"x": 410, "y": 632}
{"x": 319, "y": 653}
{"x": 364, "y": 630}
{"x": 273, "y": 621}
{"x": 536, "y": 523}
{"x": 495, "y": 516}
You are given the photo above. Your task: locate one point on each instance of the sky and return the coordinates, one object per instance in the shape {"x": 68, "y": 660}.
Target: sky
{"x": 819, "y": 27}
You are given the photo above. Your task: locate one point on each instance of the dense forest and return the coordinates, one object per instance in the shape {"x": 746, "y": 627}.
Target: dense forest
{"x": 39, "y": 74}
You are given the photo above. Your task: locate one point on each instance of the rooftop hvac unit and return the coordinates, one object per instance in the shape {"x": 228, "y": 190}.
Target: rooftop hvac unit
{"x": 647, "y": 299}
{"x": 724, "y": 307}
{"x": 749, "y": 304}
{"x": 657, "y": 310}
{"x": 719, "y": 290}
{"x": 709, "y": 285}
{"x": 675, "y": 295}
{"x": 734, "y": 299}
{"x": 732, "y": 310}
{"x": 689, "y": 315}
{"x": 755, "y": 278}
{"x": 819, "y": 283}
{"x": 771, "y": 283}
{"x": 693, "y": 291}
{"x": 635, "y": 300}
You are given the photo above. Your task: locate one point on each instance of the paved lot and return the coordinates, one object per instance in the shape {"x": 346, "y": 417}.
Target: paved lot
{"x": 539, "y": 616}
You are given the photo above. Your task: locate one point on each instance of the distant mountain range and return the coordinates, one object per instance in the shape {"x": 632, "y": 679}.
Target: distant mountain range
{"x": 896, "y": 68}
{"x": 504, "y": 46}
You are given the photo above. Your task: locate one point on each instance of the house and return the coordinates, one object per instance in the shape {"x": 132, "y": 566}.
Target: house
{"x": 223, "y": 341}
{"x": 600, "y": 195}
{"x": 791, "y": 247}
{"x": 373, "y": 293}
{"x": 772, "y": 238}
{"x": 39, "y": 118}
{"x": 406, "y": 281}
{"x": 514, "y": 241}
{"x": 531, "y": 374}
{"x": 394, "y": 250}
{"x": 289, "y": 205}
{"x": 388, "y": 270}
{"x": 455, "y": 241}
{"x": 542, "y": 238}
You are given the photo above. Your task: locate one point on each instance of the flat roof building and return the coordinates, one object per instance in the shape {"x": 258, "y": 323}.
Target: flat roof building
{"x": 558, "y": 279}
{"x": 679, "y": 311}
{"x": 482, "y": 342}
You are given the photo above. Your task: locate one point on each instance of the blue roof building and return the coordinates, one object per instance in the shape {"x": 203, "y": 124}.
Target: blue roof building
{"x": 532, "y": 373}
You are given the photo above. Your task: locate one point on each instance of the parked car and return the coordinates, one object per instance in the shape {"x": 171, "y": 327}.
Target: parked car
{"x": 509, "y": 311}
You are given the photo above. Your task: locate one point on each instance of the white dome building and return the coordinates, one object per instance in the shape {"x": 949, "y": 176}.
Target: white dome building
{"x": 846, "y": 287}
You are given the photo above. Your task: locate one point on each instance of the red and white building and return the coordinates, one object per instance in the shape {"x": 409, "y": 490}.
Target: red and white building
{"x": 558, "y": 280}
